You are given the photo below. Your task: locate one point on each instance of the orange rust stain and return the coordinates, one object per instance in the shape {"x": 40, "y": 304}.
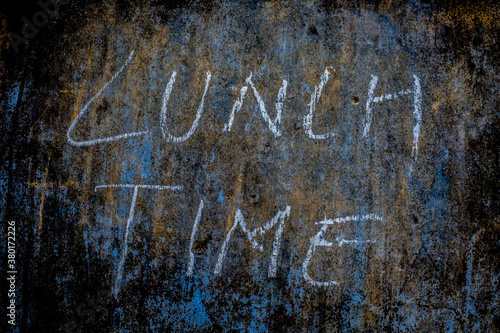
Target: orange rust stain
{"x": 59, "y": 184}
{"x": 229, "y": 219}
{"x": 88, "y": 157}
{"x": 470, "y": 14}
{"x": 403, "y": 187}
{"x": 40, "y": 221}
{"x": 4, "y": 35}
{"x": 118, "y": 217}
{"x": 79, "y": 96}
{"x": 435, "y": 105}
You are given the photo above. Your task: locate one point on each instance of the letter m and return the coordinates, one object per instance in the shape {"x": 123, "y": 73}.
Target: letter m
{"x": 279, "y": 218}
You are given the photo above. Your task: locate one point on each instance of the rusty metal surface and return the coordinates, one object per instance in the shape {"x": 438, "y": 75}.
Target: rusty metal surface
{"x": 263, "y": 166}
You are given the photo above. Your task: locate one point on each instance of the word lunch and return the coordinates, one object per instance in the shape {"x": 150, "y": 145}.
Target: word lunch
{"x": 274, "y": 125}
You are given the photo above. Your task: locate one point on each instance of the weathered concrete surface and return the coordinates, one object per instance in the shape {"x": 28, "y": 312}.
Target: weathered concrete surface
{"x": 427, "y": 259}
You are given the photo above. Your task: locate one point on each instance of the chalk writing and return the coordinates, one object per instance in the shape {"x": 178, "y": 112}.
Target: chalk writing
{"x": 84, "y": 109}
{"x": 318, "y": 240}
{"x": 274, "y": 125}
{"x": 236, "y": 108}
{"x": 166, "y": 96}
{"x": 239, "y": 220}
{"x": 417, "y": 108}
{"x": 193, "y": 233}
{"x": 312, "y": 107}
{"x": 129, "y": 221}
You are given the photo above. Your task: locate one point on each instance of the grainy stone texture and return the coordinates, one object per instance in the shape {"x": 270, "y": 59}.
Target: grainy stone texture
{"x": 429, "y": 261}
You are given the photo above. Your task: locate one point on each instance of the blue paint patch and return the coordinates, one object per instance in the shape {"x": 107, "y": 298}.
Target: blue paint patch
{"x": 199, "y": 313}
{"x": 13, "y": 97}
{"x": 221, "y": 196}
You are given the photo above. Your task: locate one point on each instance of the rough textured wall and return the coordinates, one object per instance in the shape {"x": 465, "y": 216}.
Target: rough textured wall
{"x": 256, "y": 166}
